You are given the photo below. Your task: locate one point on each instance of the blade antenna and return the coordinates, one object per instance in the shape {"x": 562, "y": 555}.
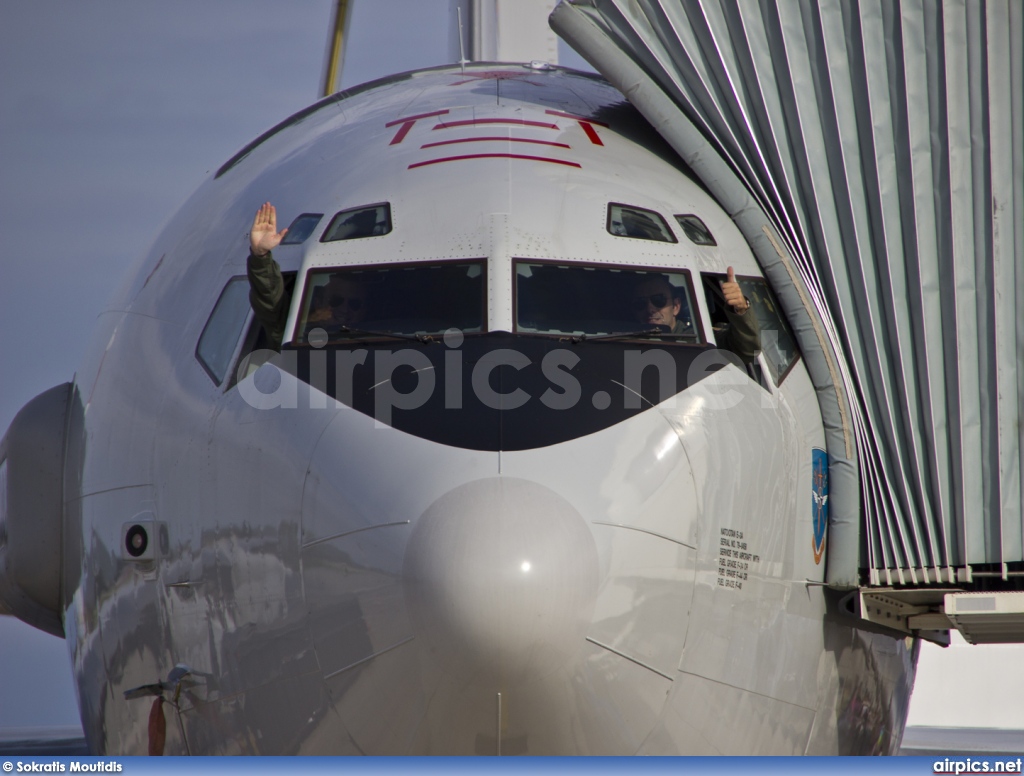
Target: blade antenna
{"x": 334, "y": 49}
{"x": 462, "y": 45}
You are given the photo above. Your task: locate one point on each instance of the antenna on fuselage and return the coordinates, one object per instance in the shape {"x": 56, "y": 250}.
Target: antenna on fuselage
{"x": 462, "y": 43}
{"x": 493, "y": 31}
{"x": 335, "y": 45}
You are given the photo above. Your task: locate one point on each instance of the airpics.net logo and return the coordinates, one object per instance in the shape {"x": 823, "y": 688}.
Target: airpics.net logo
{"x": 332, "y": 373}
{"x": 973, "y": 765}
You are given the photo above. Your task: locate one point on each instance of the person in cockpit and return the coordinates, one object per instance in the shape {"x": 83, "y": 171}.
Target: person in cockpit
{"x": 742, "y": 334}
{"x": 346, "y": 300}
{"x": 657, "y": 302}
{"x": 266, "y": 286}
{"x": 342, "y": 302}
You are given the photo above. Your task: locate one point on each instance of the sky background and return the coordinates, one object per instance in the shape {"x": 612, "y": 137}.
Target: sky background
{"x": 111, "y": 114}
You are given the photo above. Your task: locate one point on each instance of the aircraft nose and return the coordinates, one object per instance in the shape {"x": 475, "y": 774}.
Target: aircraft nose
{"x": 501, "y": 575}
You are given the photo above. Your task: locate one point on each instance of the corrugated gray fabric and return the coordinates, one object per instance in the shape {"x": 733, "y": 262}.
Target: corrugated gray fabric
{"x": 883, "y": 142}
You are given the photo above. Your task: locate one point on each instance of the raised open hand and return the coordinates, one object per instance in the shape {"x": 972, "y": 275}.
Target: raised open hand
{"x": 264, "y": 236}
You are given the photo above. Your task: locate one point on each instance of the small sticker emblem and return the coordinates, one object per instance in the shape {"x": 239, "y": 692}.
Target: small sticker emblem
{"x": 819, "y": 492}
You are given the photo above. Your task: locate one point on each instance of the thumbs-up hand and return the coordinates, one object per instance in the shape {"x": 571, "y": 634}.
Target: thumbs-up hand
{"x": 733, "y": 295}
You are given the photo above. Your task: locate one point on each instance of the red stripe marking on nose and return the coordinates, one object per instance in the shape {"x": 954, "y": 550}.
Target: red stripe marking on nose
{"x": 515, "y": 122}
{"x": 493, "y": 156}
{"x": 508, "y": 139}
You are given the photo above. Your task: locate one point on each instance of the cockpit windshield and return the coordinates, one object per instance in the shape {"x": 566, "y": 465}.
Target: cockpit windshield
{"x": 597, "y": 300}
{"x": 399, "y": 299}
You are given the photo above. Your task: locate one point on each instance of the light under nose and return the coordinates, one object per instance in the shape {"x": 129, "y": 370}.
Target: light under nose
{"x": 501, "y": 575}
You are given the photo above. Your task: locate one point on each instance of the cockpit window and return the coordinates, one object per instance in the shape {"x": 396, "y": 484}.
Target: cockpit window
{"x": 696, "y": 230}
{"x": 223, "y": 330}
{"x": 405, "y": 299}
{"x": 575, "y": 299}
{"x": 301, "y": 228}
{"x": 628, "y": 221}
{"x": 778, "y": 344}
{"x": 368, "y": 221}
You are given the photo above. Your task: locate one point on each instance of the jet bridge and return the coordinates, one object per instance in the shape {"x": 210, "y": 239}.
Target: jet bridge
{"x": 872, "y": 153}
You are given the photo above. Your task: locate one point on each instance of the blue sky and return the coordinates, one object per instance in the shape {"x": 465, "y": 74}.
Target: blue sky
{"x": 111, "y": 114}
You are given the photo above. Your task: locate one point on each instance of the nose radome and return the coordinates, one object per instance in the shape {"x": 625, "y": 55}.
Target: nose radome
{"x": 501, "y": 575}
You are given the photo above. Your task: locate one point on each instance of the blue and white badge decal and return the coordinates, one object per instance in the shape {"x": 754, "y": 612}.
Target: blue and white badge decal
{"x": 819, "y": 509}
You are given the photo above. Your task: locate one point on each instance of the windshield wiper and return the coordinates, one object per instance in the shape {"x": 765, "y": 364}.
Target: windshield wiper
{"x": 345, "y": 330}
{"x": 575, "y": 339}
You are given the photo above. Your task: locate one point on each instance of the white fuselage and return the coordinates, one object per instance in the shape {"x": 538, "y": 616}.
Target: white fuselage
{"x": 339, "y": 585}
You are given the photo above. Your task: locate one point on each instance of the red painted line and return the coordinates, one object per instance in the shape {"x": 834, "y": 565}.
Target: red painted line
{"x": 493, "y": 156}
{"x": 591, "y": 133}
{"x": 575, "y": 118}
{"x": 508, "y": 139}
{"x": 401, "y": 133}
{"x": 515, "y": 122}
{"x": 416, "y": 118}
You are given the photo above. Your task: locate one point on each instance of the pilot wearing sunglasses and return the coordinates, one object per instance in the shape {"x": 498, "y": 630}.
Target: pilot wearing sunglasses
{"x": 344, "y": 303}
{"x": 657, "y": 302}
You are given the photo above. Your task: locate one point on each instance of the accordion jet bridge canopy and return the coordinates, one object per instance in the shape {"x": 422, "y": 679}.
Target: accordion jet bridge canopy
{"x": 872, "y": 153}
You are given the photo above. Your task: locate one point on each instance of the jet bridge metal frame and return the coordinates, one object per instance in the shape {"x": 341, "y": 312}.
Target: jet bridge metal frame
{"x": 872, "y": 153}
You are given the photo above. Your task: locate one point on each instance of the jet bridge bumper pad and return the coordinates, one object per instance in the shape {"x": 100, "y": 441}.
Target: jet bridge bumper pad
{"x": 987, "y": 618}
{"x": 981, "y": 618}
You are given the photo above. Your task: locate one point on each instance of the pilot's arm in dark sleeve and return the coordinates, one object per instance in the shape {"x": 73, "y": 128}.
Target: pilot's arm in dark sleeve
{"x": 267, "y": 297}
{"x": 744, "y": 335}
